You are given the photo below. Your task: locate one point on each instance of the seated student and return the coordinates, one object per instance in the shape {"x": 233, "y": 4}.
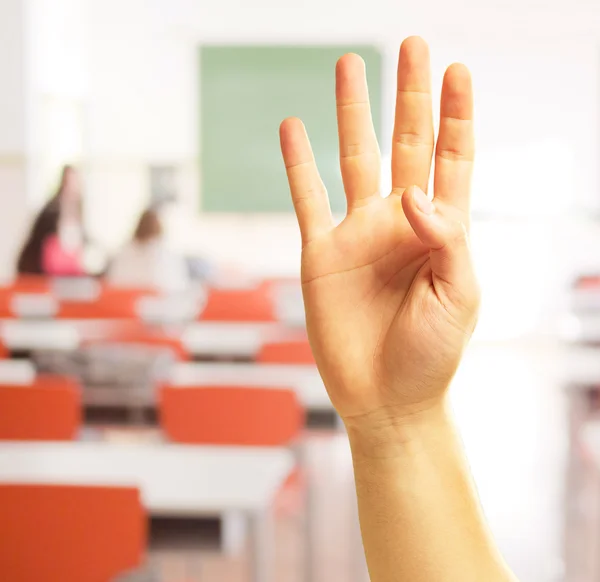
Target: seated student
{"x": 391, "y": 301}
{"x": 146, "y": 262}
{"x": 55, "y": 243}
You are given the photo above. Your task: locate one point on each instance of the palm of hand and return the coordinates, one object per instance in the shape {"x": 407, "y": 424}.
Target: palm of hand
{"x": 386, "y": 321}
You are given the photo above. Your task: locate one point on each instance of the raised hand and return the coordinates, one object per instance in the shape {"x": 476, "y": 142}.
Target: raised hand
{"x": 390, "y": 294}
{"x": 391, "y": 300}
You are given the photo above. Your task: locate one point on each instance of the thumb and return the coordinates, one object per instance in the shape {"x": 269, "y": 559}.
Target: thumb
{"x": 448, "y": 242}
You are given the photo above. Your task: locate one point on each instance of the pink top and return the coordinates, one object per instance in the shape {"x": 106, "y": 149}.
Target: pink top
{"x": 59, "y": 261}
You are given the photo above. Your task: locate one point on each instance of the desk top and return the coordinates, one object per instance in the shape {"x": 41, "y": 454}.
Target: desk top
{"x": 201, "y": 338}
{"x": 235, "y": 338}
{"x": 15, "y": 372}
{"x": 22, "y": 334}
{"x": 173, "y": 479}
{"x": 214, "y": 338}
{"x": 303, "y": 379}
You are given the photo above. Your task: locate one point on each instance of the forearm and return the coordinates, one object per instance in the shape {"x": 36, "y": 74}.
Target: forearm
{"x": 420, "y": 516}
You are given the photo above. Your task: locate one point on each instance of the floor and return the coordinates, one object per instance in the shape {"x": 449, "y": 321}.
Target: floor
{"x": 510, "y": 404}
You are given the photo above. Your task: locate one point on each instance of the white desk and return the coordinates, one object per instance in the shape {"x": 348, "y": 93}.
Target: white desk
{"x": 39, "y": 335}
{"x": 214, "y": 339}
{"x": 170, "y": 309}
{"x": 41, "y": 305}
{"x": 303, "y": 379}
{"x": 17, "y": 372}
{"x": 220, "y": 338}
{"x": 173, "y": 479}
{"x": 58, "y": 334}
{"x": 226, "y": 339}
{"x": 76, "y": 288}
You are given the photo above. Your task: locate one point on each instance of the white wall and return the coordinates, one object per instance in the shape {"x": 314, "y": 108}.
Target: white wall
{"x": 531, "y": 89}
{"x": 43, "y": 70}
{"x": 13, "y": 128}
{"x": 535, "y": 67}
{"x": 14, "y": 73}
{"x": 141, "y": 110}
{"x": 59, "y": 84}
{"x": 113, "y": 83}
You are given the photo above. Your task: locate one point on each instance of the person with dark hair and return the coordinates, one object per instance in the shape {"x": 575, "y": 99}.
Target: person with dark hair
{"x": 55, "y": 242}
{"x": 149, "y": 227}
{"x": 146, "y": 262}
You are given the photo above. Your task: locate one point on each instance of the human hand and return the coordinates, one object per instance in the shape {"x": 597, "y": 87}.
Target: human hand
{"x": 390, "y": 294}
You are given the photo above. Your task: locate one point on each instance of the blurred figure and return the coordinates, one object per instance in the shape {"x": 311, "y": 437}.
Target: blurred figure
{"x": 146, "y": 261}
{"x": 55, "y": 243}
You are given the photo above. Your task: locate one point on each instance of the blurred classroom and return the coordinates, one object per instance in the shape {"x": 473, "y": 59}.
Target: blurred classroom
{"x": 161, "y": 415}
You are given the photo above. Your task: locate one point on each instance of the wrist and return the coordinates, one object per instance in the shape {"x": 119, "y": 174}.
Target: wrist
{"x": 387, "y": 433}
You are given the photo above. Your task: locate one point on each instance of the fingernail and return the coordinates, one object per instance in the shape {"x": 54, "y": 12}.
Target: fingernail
{"x": 422, "y": 201}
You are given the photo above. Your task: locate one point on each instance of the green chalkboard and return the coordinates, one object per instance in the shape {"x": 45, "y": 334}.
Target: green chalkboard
{"x": 245, "y": 92}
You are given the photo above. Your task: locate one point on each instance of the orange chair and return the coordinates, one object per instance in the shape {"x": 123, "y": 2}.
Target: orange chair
{"x": 6, "y": 306}
{"x": 48, "y": 409}
{"x": 288, "y": 352}
{"x": 239, "y": 305}
{"x": 223, "y": 415}
{"x": 32, "y": 284}
{"x": 64, "y": 533}
{"x": 103, "y": 308}
{"x": 113, "y": 303}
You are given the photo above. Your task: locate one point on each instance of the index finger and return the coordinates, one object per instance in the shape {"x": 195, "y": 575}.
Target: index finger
{"x": 308, "y": 192}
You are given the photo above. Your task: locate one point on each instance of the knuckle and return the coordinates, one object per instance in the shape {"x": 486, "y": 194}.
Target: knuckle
{"x": 413, "y": 139}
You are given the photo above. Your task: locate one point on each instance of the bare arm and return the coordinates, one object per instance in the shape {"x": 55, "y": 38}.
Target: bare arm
{"x": 420, "y": 516}
{"x": 391, "y": 301}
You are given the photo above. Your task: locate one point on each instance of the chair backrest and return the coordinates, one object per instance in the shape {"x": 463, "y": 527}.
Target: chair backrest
{"x": 223, "y": 415}
{"x": 112, "y": 303}
{"x": 64, "y": 533}
{"x": 32, "y": 284}
{"x": 6, "y": 305}
{"x": 239, "y": 305}
{"x": 286, "y": 352}
{"x": 102, "y": 308}
{"x": 48, "y": 409}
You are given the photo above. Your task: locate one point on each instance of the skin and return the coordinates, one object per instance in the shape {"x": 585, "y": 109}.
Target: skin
{"x": 391, "y": 301}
